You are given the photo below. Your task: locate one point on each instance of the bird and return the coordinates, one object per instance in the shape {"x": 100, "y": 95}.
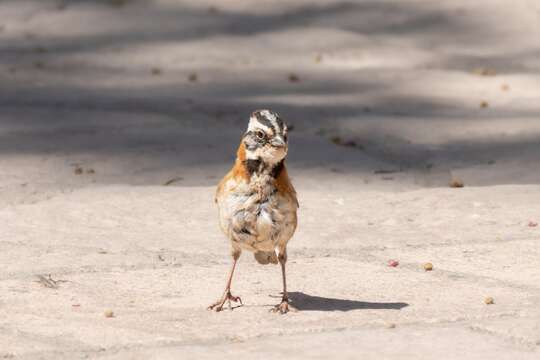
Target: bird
{"x": 257, "y": 203}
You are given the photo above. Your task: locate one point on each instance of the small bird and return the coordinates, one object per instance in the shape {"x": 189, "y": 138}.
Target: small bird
{"x": 256, "y": 201}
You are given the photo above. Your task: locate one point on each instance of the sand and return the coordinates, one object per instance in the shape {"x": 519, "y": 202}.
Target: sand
{"x": 117, "y": 119}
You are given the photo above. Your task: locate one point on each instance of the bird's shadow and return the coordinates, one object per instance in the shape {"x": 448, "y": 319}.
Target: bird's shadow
{"x": 305, "y": 302}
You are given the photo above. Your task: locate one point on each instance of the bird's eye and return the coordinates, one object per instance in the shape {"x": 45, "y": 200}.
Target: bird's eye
{"x": 260, "y": 135}
{"x": 285, "y": 137}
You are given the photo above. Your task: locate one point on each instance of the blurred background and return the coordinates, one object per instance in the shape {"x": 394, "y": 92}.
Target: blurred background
{"x": 390, "y": 95}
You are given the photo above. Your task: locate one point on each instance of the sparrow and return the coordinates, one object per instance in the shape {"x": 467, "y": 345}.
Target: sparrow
{"x": 257, "y": 202}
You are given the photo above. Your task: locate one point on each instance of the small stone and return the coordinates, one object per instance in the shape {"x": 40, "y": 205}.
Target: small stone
{"x": 428, "y": 266}
{"x": 90, "y": 171}
{"x": 489, "y": 301}
{"x": 532, "y": 224}
{"x": 483, "y": 104}
{"x": 78, "y": 171}
{"x": 193, "y": 77}
{"x": 108, "y": 313}
{"x": 156, "y": 71}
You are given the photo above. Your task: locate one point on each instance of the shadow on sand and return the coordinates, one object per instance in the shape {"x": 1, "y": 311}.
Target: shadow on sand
{"x": 307, "y": 302}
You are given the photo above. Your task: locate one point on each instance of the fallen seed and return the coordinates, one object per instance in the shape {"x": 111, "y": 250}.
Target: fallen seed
{"x": 393, "y": 263}
{"x": 293, "y": 78}
{"x": 489, "y": 300}
{"x": 428, "y": 266}
{"x": 108, "y": 313}
{"x": 485, "y": 72}
{"x": 456, "y": 183}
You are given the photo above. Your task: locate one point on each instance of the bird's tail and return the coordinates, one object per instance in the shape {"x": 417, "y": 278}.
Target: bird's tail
{"x": 266, "y": 257}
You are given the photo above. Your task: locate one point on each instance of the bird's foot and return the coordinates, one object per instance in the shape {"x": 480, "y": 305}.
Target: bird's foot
{"x": 283, "y": 307}
{"x": 228, "y": 297}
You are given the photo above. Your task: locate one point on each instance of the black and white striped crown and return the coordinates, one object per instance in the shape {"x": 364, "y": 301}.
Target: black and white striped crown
{"x": 267, "y": 119}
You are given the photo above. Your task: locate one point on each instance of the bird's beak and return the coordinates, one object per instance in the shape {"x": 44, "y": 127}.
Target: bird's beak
{"x": 278, "y": 142}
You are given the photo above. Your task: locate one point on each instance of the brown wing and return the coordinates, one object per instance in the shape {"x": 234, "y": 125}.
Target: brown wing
{"x": 238, "y": 171}
{"x": 284, "y": 185}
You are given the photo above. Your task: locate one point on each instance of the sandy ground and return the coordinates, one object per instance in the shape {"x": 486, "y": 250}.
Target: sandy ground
{"x": 103, "y": 103}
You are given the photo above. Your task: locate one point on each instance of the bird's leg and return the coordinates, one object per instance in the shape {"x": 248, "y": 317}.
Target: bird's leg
{"x": 283, "y": 307}
{"x": 227, "y": 296}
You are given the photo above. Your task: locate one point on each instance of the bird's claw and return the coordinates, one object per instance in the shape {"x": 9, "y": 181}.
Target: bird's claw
{"x": 228, "y": 297}
{"x": 283, "y": 307}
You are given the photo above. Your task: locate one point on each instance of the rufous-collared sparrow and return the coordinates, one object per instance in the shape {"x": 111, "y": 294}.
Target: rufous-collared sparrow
{"x": 257, "y": 202}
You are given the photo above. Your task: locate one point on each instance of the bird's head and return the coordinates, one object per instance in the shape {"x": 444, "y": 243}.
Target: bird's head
{"x": 266, "y": 137}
